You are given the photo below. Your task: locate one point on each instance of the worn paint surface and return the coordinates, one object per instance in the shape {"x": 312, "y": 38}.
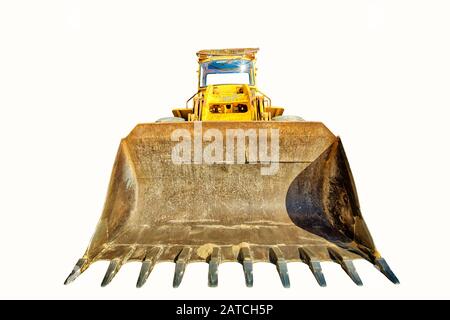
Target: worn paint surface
{"x": 310, "y": 204}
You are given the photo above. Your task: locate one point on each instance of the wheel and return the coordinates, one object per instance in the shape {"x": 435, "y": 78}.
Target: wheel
{"x": 287, "y": 118}
{"x": 171, "y": 119}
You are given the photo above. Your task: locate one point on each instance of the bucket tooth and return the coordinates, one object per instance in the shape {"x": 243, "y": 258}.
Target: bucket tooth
{"x": 248, "y": 272}
{"x": 148, "y": 264}
{"x": 115, "y": 265}
{"x": 347, "y": 265}
{"x": 213, "y": 270}
{"x": 317, "y": 271}
{"x": 350, "y": 269}
{"x": 181, "y": 261}
{"x": 78, "y": 269}
{"x": 384, "y": 268}
{"x": 146, "y": 269}
{"x": 277, "y": 258}
{"x": 113, "y": 268}
{"x": 314, "y": 265}
{"x": 246, "y": 260}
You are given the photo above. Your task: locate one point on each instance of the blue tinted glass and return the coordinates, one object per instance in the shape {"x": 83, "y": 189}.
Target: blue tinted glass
{"x": 226, "y": 66}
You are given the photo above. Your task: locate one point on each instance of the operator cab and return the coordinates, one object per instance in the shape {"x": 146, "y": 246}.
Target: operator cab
{"x": 227, "y": 89}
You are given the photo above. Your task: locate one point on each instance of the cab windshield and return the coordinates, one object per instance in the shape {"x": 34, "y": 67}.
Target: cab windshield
{"x": 226, "y": 72}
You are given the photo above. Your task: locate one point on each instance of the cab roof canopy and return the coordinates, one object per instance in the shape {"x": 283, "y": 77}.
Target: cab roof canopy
{"x": 248, "y": 53}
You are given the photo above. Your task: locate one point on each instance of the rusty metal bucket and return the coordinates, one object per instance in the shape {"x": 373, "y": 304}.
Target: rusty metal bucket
{"x": 157, "y": 210}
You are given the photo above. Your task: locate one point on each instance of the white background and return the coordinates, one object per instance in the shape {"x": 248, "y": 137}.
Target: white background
{"x": 76, "y": 76}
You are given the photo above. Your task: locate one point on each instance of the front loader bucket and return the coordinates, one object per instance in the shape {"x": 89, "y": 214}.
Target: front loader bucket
{"x": 305, "y": 209}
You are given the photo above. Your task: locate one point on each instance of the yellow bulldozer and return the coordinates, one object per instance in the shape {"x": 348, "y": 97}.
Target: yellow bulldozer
{"x": 230, "y": 178}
